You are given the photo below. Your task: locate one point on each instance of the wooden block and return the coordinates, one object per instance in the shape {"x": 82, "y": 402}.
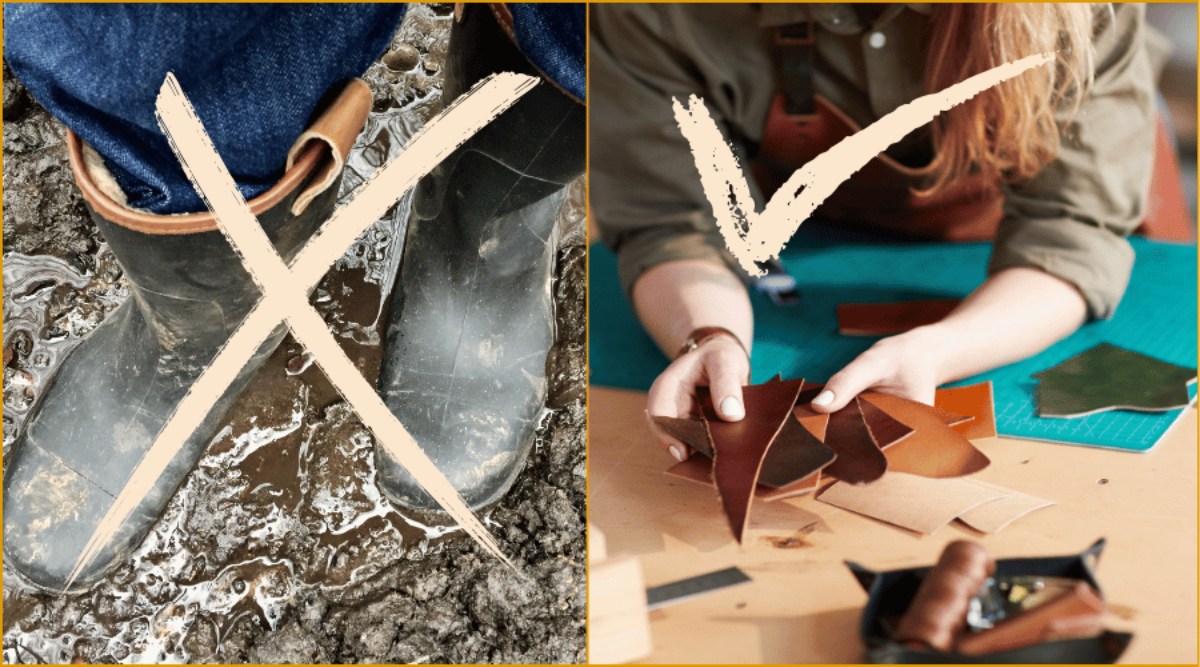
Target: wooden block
{"x": 597, "y": 548}
{"x": 618, "y": 623}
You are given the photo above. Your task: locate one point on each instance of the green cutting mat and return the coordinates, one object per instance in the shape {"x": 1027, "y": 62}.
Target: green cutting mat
{"x": 1157, "y": 317}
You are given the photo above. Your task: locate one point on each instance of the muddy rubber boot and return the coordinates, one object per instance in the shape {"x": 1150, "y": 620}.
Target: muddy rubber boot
{"x": 472, "y": 315}
{"x": 113, "y": 393}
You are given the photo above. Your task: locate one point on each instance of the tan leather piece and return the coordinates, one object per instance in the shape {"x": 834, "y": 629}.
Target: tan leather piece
{"x": 303, "y": 163}
{"x": 740, "y": 447}
{"x": 935, "y": 449}
{"x": 336, "y": 128}
{"x": 973, "y": 400}
{"x": 885, "y": 319}
{"x": 1075, "y": 614}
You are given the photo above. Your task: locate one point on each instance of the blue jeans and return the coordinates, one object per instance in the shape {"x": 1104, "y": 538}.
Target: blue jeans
{"x": 255, "y": 74}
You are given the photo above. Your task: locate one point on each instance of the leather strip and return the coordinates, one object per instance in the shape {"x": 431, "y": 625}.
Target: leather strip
{"x": 336, "y": 129}
{"x": 303, "y": 163}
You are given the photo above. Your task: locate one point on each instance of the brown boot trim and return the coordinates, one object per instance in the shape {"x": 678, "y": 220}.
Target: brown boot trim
{"x": 320, "y": 151}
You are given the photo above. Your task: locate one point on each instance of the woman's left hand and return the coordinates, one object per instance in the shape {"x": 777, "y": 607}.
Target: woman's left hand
{"x": 907, "y": 365}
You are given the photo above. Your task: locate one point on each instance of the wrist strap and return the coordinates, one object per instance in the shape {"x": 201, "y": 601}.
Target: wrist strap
{"x": 698, "y": 336}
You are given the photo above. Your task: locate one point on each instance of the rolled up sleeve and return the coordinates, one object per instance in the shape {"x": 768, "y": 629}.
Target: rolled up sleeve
{"x": 1072, "y": 219}
{"x": 646, "y": 196}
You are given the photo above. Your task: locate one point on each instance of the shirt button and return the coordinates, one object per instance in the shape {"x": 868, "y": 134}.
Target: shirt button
{"x": 877, "y": 40}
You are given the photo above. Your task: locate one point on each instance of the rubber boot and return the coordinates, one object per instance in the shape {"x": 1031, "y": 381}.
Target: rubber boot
{"x": 472, "y": 315}
{"x": 113, "y": 393}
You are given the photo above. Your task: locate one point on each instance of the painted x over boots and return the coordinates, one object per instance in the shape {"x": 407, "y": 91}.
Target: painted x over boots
{"x": 472, "y": 315}
{"x": 113, "y": 393}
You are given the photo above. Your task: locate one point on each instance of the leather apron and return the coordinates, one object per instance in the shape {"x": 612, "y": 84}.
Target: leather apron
{"x": 884, "y": 194}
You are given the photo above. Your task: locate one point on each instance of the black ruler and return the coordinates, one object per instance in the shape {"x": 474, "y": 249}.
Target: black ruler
{"x": 678, "y": 591}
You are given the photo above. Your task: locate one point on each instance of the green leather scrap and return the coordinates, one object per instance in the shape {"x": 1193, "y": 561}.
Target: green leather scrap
{"x": 1107, "y": 377}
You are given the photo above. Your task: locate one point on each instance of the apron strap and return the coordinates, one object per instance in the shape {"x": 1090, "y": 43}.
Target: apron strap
{"x": 797, "y": 45}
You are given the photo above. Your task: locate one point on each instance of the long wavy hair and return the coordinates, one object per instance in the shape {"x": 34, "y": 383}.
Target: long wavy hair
{"x": 1009, "y": 132}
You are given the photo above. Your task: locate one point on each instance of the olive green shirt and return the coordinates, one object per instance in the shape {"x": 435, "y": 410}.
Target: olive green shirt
{"x": 1070, "y": 220}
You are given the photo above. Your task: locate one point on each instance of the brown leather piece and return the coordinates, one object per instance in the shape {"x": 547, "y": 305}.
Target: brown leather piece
{"x": 1073, "y": 615}
{"x": 313, "y": 159}
{"x": 885, "y": 430}
{"x": 699, "y": 470}
{"x": 798, "y": 488}
{"x": 938, "y": 612}
{"x": 973, "y": 400}
{"x": 335, "y": 129}
{"x": 885, "y": 319}
{"x": 740, "y": 447}
{"x": 859, "y": 459}
{"x": 934, "y": 449}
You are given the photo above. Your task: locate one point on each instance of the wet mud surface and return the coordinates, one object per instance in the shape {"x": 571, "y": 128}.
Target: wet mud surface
{"x": 279, "y": 547}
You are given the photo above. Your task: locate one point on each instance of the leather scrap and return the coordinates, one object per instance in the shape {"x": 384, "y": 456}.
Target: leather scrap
{"x": 994, "y": 516}
{"x": 1107, "y": 377}
{"x": 913, "y": 502}
{"x": 885, "y": 430}
{"x": 935, "y": 449}
{"x": 740, "y": 447}
{"x": 972, "y": 400}
{"x": 793, "y": 456}
{"x": 690, "y": 432}
{"x": 886, "y": 319}
{"x": 859, "y": 459}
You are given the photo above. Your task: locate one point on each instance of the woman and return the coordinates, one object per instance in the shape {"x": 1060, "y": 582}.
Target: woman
{"x": 1054, "y": 165}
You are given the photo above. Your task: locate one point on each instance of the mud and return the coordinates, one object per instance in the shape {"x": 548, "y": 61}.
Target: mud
{"x": 279, "y": 547}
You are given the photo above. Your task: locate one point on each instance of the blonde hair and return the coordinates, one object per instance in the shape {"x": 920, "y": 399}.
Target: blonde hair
{"x": 1008, "y": 132}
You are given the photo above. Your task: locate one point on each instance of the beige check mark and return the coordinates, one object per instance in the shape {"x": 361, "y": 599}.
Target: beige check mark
{"x": 754, "y": 237}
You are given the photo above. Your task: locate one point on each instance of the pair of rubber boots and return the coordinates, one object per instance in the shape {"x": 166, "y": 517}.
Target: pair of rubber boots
{"x": 471, "y": 322}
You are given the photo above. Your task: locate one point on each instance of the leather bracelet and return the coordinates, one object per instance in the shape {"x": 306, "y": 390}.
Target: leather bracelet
{"x": 698, "y": 336}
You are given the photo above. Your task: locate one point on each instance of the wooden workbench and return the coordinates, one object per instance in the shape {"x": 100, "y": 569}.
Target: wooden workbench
{"x": 804, "y": 605}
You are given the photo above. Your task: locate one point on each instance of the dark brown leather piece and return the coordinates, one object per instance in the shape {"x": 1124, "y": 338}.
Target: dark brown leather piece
{"x": 934, "y": 449}
{"x": 794, "y": 455}
{"x": 859, "y": 460}
{"x": 690, "y": 432}
{"x": 739, "y": 447}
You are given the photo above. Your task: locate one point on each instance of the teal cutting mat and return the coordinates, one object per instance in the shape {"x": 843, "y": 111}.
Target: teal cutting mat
{"x": 1157, "y": 317}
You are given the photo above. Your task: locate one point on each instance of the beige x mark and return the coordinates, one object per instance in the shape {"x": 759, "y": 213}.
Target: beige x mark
{"x": 285, "y": 291}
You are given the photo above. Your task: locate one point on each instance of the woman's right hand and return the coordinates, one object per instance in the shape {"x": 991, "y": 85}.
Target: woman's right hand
{"x": 719, "y": 363}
